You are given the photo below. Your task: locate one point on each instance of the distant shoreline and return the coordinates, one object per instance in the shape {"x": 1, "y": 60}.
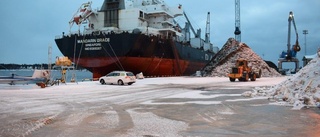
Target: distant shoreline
{"x": 12, "y": 66}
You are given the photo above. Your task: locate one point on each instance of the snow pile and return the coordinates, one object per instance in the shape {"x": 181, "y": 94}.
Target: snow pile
{"x": 302, "y": 88}
{"x": 299, "y": 90}
{"x": 258, "y": 91}
{"x": 225, "y": 59}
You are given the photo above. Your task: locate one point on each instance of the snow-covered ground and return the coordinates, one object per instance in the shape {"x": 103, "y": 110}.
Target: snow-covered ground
{"x": 146, "y": 108}
{"x": 265, "y": 81}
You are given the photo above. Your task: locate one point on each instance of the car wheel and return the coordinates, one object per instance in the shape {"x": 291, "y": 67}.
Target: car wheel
{"x": 120, "y": 82}
{"x": 130, "y": 83}
{"x": 102, "y": 81}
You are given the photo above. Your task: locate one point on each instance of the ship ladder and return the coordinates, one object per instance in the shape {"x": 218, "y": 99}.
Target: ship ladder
{"x": 75, "y": 66}
{"x": 149, "y": 62}
{"x": 117, "y": 59}
{"x": 74, "y": 52}
{"x": 176, "y": 56}
{"x": 155, "y": 68}
{"x": 157, "y": 64}
{"x": 119, "y": 66}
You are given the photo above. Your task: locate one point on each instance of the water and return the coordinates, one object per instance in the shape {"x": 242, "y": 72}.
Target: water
{"x": 55, "y": 74}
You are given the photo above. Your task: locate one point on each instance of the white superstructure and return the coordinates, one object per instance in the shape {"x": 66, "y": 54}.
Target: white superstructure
{"x": 149, "y": 17}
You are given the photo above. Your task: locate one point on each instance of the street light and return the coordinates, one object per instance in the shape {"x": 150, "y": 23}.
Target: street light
{"x": 305, "y": 32}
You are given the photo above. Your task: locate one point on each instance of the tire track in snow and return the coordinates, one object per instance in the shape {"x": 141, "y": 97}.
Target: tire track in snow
{"x": 40, "y": 123}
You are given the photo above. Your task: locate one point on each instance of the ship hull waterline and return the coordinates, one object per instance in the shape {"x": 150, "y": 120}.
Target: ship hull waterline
{"x": 148, "y": 66}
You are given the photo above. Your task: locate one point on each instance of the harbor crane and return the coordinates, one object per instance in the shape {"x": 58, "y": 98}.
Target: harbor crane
{"x": 207, "y": 37}
{"x": 237, "y": 31}
{"x": 290, "y": 55}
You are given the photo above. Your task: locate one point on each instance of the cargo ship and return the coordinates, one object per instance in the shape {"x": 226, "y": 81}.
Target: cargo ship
{"x": 137, "y": 36}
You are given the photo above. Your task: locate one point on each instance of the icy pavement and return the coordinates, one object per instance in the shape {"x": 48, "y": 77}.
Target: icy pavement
{"x": 152, "y": 107}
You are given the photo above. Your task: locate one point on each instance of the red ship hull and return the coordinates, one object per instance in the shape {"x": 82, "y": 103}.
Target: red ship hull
{"x": 149, "y": 66}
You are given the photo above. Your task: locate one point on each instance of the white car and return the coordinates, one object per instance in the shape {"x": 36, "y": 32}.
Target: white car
{"x": 118, "y": 77}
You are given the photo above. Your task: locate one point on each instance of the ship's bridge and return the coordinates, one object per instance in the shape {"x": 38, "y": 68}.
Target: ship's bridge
{"x": 159, "y": 13}
{"x": 163, "y": 10}
{"x": 170, "y": 31}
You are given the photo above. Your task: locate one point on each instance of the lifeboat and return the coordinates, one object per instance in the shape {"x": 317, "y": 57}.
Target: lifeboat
{"x": 83, "y": 13}
{"x": 63, "y": 61}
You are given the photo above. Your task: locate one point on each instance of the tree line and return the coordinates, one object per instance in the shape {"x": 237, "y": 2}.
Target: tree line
{"x": 29, "y": 66}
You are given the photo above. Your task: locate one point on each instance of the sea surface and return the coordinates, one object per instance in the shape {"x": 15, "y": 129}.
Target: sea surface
{"x": 81, "y": 75}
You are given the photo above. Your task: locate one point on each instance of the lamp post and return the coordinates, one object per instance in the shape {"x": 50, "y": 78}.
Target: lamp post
{"x": 305, "y": 32}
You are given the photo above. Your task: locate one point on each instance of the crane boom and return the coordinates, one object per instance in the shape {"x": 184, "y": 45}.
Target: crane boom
{"x": 290, "y": 55}
{"x": 296, "y": 47}
{"x": 194, "y": 32}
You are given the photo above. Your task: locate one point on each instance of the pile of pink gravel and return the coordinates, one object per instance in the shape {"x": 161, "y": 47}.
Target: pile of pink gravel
{"x": 221, "y": 64}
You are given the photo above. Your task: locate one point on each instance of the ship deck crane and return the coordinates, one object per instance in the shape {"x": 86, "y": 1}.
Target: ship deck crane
{"x": 290, "y": 55}
{"x": 196, "y": 34}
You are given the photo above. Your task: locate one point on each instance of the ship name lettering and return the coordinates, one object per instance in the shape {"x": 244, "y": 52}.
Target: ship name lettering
{"x": 93, "y": 40}
{"x": 206, "y": 57}
{"x": 87, "y": 41}
{"x": 93, "y": 48}
{"x": 103, "y": 40}
{"x": 93, "y": 45}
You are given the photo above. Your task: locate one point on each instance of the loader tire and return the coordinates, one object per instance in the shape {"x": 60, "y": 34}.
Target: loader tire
{"x": 259, "y": 74}
{"x": 253, "y": 77}
{"x": 232, "y": 79}
{"x": 246, "y": 77}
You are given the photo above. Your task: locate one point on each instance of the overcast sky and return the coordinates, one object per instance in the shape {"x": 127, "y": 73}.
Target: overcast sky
{"x": 29, "y": 27}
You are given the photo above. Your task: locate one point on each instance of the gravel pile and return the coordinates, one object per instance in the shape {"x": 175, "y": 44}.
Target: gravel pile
{"x": 225, "y": 59}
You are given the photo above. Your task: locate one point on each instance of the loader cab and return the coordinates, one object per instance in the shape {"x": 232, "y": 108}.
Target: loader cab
{"x": 243, "y": 72}
{"x": 241, "y": 62}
